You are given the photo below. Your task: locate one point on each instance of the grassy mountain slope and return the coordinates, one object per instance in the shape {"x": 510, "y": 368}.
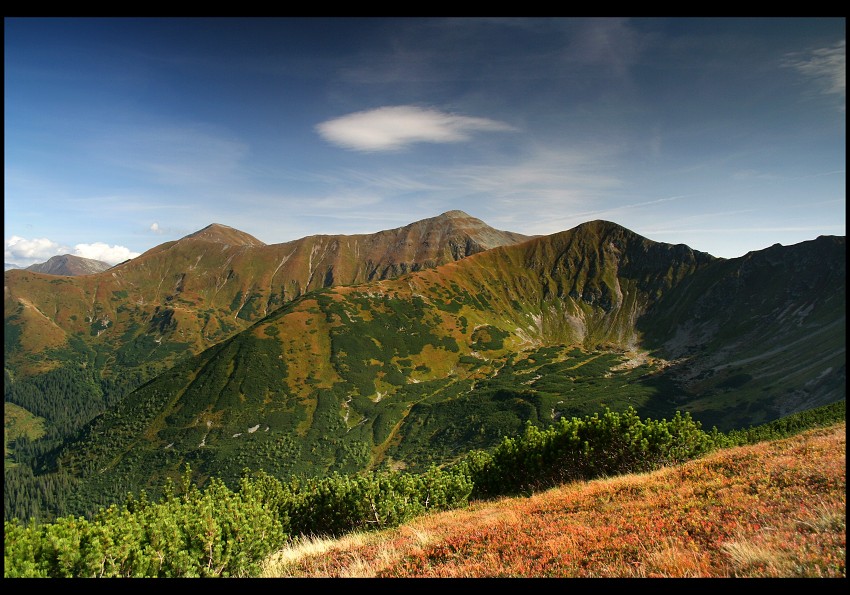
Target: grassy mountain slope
{"x": 19, "y": 423}
{"x": 420, "y": 369}
{"x": 774, "y": 509}
{"x": 107, "y": 333}
{"x": 192, "y": 293}
{"x": 760, "y": 336}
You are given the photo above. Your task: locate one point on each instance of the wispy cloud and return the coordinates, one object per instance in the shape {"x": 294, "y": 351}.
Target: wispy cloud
{"x": 393, "y": 128}
{"x": 553, "y": 179}
{"x": 350, "y": 202}
{"x": 566, "y": 218}
{"x": 550, "y": 178}
{"x": 753, "y": 228}
{"x": 189, "y": 155}
{"x": 825, "y": 66}
{"x": 611, "y": 43}
{"x": 130, "y": 203}
{"x": 750, "y": 174}
{"x": 386, "y": 182}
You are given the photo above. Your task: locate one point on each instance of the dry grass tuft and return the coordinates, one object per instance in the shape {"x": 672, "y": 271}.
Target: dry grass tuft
{"x": 673, "y": 559}
{"x": 751, "y": 559}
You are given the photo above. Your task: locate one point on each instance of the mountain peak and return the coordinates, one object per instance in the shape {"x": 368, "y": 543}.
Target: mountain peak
{"x": 223, "y": 234}
{"x": 455, "y": 214}
{"x": 456, "y": 228}
{"x": 69, "y": 265}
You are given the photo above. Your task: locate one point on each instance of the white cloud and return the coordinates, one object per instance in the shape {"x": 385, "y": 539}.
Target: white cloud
{"x": 395, "y": 127}
{"x": 100, "y": 251}
{"x": 26, "y": 252}
{"x": 827, "y": 66}
{"x": 155, "y": 227}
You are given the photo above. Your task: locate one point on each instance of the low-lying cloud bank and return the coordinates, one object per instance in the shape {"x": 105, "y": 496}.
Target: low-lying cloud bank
{"x": 23, "y": 252}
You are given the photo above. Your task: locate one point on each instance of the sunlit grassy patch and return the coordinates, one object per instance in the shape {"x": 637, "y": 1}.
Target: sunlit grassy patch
{"x": 773, "y": 509}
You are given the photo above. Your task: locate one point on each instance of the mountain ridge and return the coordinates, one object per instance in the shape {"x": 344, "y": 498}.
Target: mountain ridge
{"x": 346, "y": 362}
{"x": 212, "y": 293}
{"x": 414, "y": 370}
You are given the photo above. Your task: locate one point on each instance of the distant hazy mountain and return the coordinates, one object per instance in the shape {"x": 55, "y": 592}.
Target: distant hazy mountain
{"x": 11, "y": 265}
{"x": 70, "y": 265}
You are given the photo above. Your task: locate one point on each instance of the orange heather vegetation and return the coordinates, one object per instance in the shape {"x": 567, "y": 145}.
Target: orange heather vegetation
{"x": 773, "y": 509}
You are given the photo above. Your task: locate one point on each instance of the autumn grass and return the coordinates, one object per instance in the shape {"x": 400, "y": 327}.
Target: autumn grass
{"x": 774, "y": 509}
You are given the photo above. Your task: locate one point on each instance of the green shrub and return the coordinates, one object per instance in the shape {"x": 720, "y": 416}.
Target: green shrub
{"x": 198, "y": 533}
{"x": 581, "y": 449}
{"x": 340, "y": 504}
{"x": 217, "y": 532}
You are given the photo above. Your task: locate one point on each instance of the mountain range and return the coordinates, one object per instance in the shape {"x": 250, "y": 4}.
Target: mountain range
{"x": 408, "y": 347}
{"x": 201, "y": 289}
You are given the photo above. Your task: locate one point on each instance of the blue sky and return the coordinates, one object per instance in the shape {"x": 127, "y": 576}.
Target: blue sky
{"x": 727, "y": 135}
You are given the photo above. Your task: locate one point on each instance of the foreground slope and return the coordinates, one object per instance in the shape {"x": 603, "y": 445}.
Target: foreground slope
{"x": 774, "y": 509}
{"x": 418, "y": 370}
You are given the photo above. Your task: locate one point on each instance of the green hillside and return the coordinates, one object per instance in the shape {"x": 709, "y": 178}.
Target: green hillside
{"x": 19, "y": 425}
{"x": 74, "y": 346}
{"x": 418, "y": 370}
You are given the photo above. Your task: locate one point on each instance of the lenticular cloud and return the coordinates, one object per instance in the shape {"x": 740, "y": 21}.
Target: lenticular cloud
{"x": 394, "y": 128}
